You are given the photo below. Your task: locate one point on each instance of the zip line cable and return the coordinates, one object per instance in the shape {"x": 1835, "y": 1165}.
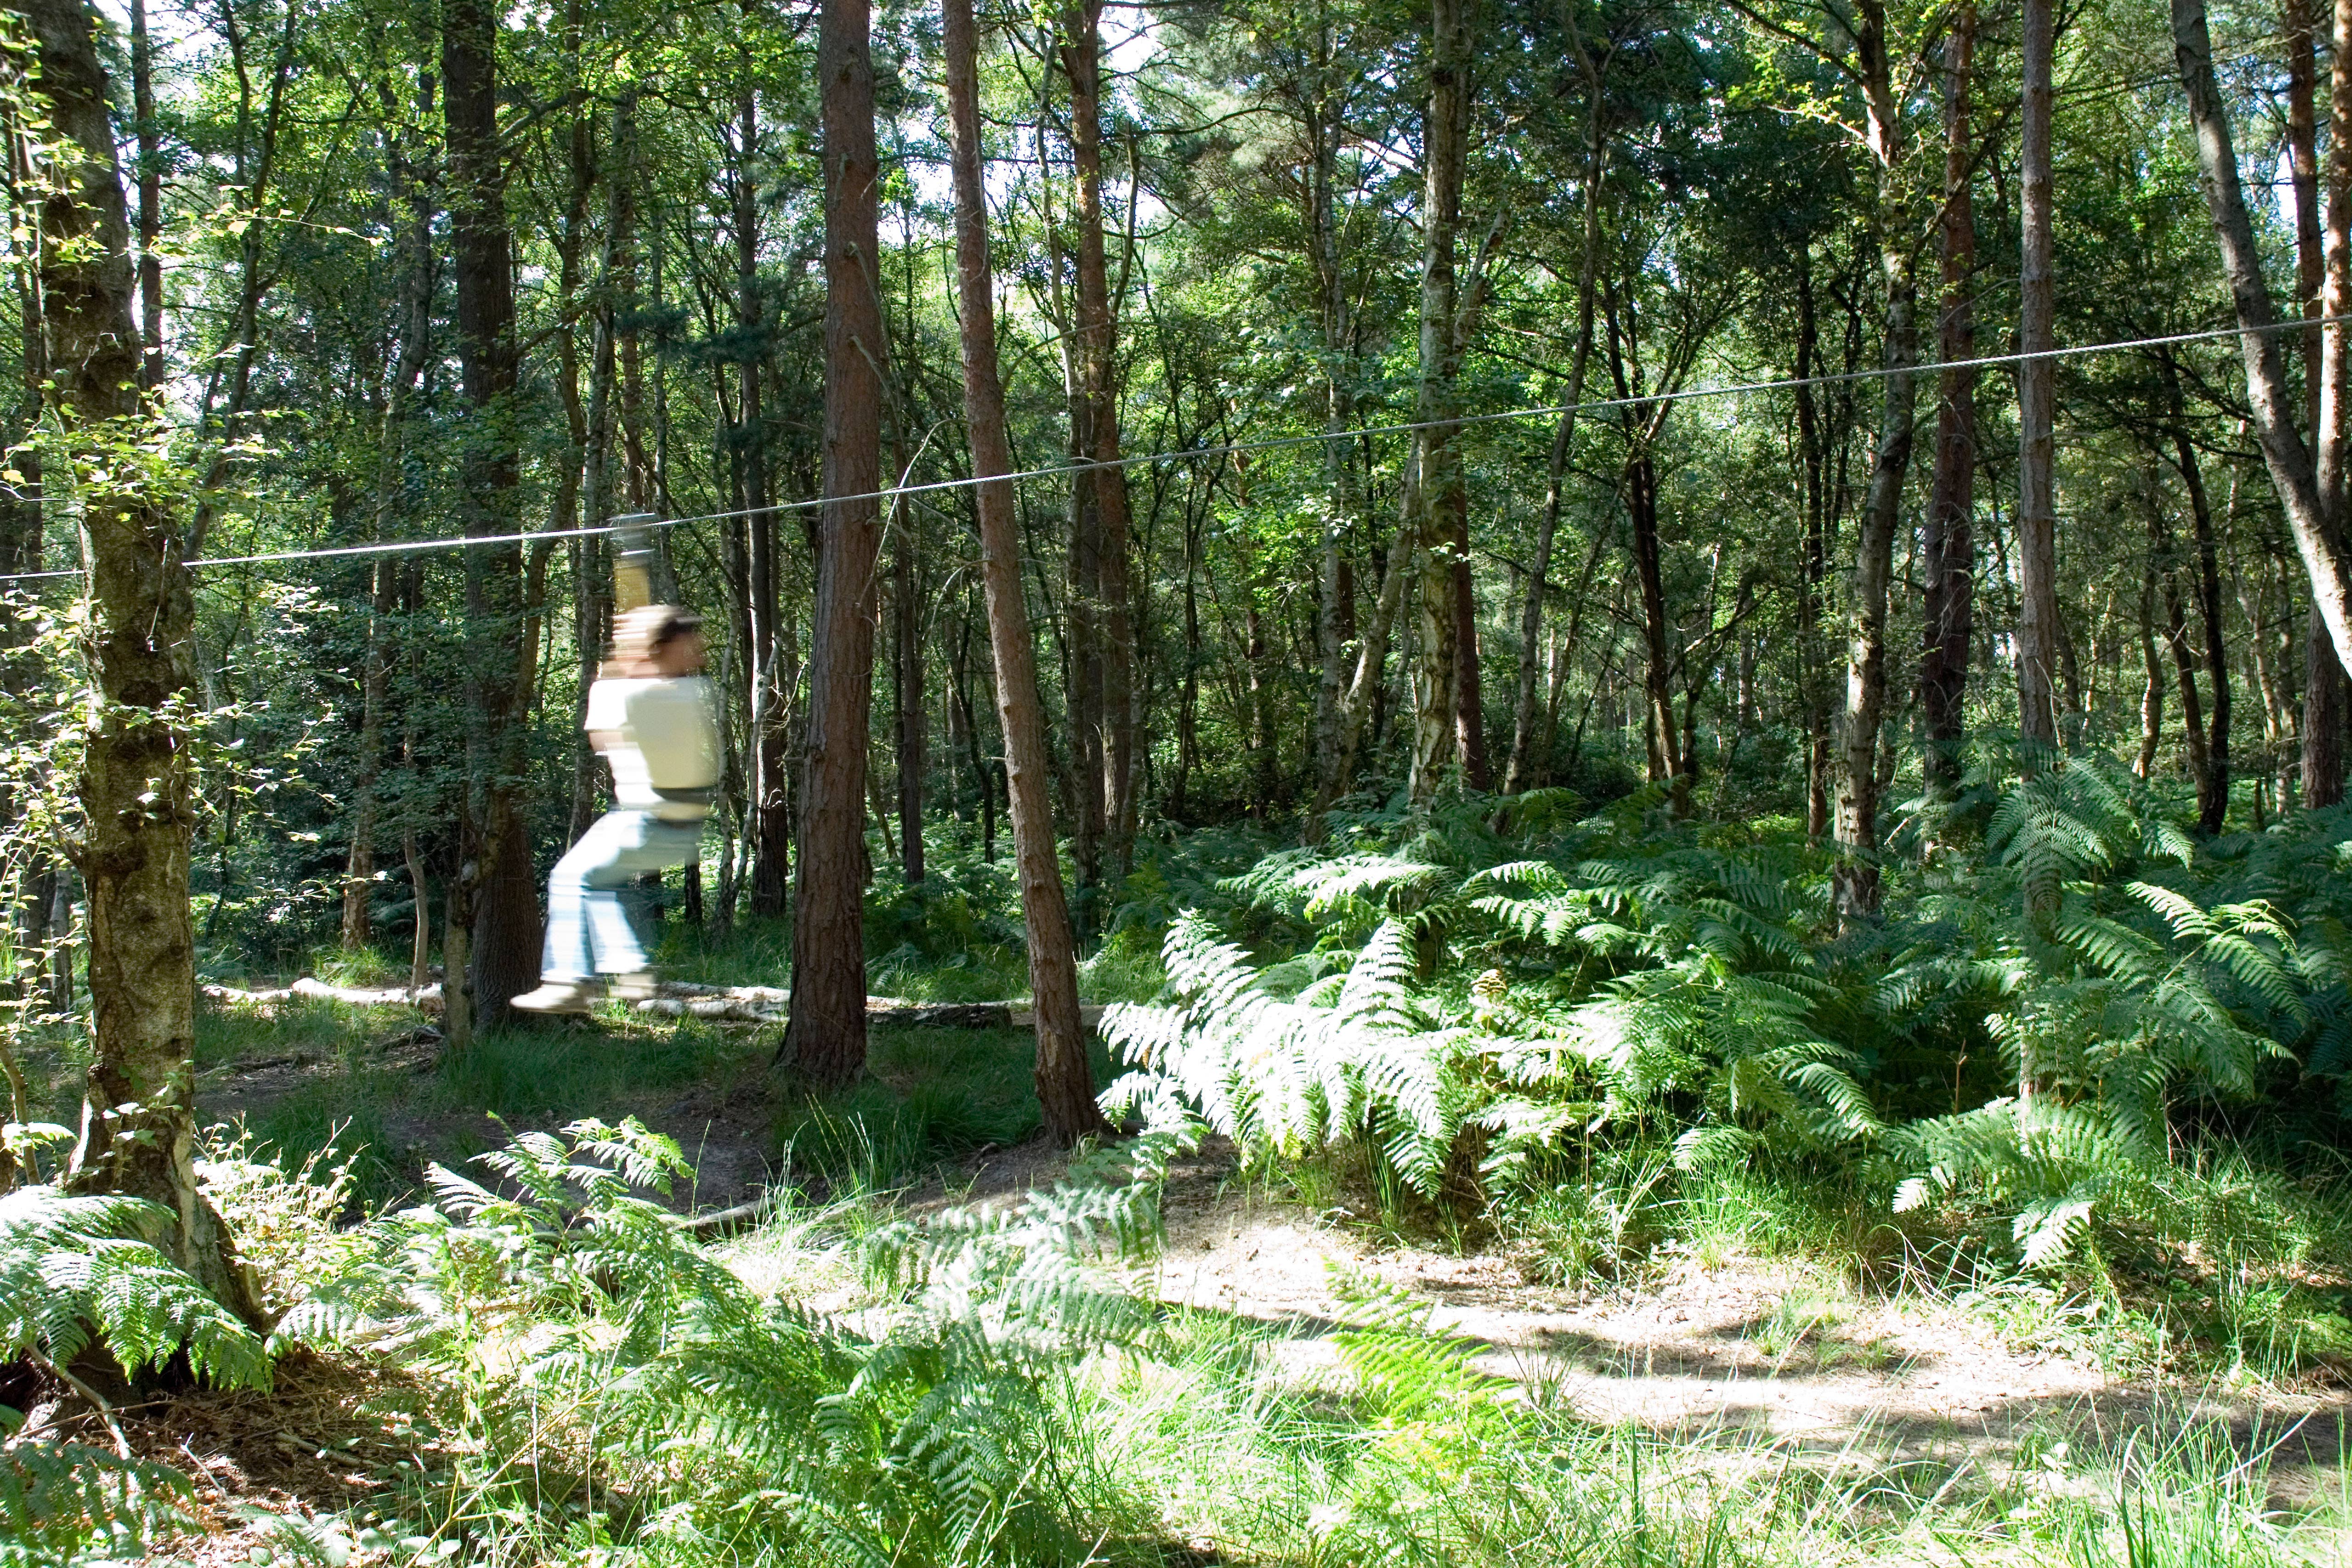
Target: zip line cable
{"x": 1232, "y": 448}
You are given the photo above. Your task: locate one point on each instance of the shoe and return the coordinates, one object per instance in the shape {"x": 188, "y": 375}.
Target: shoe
{"x": 636, "y": 986}
{"x": 557, "y": 996}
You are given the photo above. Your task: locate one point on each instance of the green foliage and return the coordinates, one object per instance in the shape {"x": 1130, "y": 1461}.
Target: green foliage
{"x": 75, "y": 1270}
{"x": 1518, "y": 1010}
{"x": 565, "y": 1298}
{"x": 79, "y": 1271}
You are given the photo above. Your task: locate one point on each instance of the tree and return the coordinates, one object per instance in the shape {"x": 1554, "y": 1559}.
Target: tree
{"x": 2291, "y": 470}
{"x": 494, "y": 896}
{"x": 2038, "y": 632}
{"x": 1521, "y": 770}
{"x": 1950, "y": 543}
{"x": 137, "y": 1124}
{"x": 1064, "y": 1082}
{"x": 826, "y": 1036}
{"x": 1438, "y": 477}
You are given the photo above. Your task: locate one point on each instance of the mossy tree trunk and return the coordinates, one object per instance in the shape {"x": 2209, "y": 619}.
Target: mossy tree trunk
{"x": 138, "y": 1126}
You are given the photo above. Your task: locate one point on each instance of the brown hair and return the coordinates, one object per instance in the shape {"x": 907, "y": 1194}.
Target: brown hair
{"x": 643, "y": 632}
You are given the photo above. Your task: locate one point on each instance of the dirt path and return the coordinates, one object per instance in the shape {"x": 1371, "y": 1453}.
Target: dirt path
{"x": 1773, "y": 1351}
{"x": 1782, "y": 1351}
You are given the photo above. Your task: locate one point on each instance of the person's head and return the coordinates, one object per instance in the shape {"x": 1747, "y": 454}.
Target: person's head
{"x": 658, "y": 640}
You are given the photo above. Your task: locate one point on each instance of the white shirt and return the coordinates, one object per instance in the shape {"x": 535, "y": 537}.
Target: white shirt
{"x": 669, "y": 743}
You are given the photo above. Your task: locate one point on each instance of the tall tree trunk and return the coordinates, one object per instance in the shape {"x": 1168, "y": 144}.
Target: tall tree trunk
{"x": 1950, "y": 566}
{"x": 1854, "y": 884}
{"x": 767, "y": 660}
{"x": 2326, "y": 695}
{"x": 1335, "y": 607}
{"x": 2151, "y": 700}
{"x": 2213, "y": 783}
{"x": 1667, "y": 763}
{"x": 137, "y": 1124}
{"x": 2318, "y": 536}
{"x": 1363, "y": 689}
{"x": 826, "y": 1035}
{"x": 1815, "y": 543}
{"x": 359, "y": 866}
{"x": 907, "y": 691}
{"x": 1097, "y": 328}
{"x": 1522, "y": 771}
{"x": 495, "y": 895}
{"x": 1064, "y": 1081}
{"x": 2176, "y": 641}
{"x": 2335, "y": 414}
{"x": 585, "y": 424}
{"x": 1444, "y": 488}
{"x": 151, "y": 199}
{"x": 2038, "y": 632}
{"x": 2325, "y": 700}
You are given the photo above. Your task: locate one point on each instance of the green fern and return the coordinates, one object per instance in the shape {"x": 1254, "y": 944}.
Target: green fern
{"x": 75, "y": 1271}
{"x": 1357, "y": 1057}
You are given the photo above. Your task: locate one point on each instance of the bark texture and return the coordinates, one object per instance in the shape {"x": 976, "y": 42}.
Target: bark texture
{"x": 1064, "y": 1081}
{"x": 2318, "y": 537}
{"x": 138, "y": 1124}
{"x": 1951, "y": 544}
{"x": 2037, "y": 508}
{"x": 1854, "y": 884}
{"x": 1444, "y": 495}
{"x": 826, "y": 1036}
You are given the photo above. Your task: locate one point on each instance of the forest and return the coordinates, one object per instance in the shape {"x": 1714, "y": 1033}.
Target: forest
{"x": 1484, "y": 782}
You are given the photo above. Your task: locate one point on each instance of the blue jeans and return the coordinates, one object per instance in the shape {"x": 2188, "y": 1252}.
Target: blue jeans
{"x": 588, "y": 932}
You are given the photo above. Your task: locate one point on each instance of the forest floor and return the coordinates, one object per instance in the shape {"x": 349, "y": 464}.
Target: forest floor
{"x": 1745, "y": 1349}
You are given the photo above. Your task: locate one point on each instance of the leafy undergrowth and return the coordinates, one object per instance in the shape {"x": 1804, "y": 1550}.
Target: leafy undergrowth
{"x": 545, "y": 1369}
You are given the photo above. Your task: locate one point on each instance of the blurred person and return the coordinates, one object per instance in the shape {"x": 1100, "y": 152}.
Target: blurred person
{"x": 649, "y": 715}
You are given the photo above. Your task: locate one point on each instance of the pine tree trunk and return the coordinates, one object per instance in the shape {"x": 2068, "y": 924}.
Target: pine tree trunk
{"x": 907, "y": 641}
{"x": 495, "y": 892}
{"x": 1097, "y": 328}
{"x": 768, "y": 659}
{"x": 1064, "y": 1081}
{"x": 1950, "y": 566}
{"x": 2326, "y": 693}
{"x": 826, "y": 1036}
{"x": 138, "y": 1126}
{"x": 1444, "y": 497}
{"x": 2037, "y": 560}
{"x": 2324, "y": 699}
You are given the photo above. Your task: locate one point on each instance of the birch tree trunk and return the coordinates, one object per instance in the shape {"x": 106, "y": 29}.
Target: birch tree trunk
{"x": 137, "y": 1122}
{"x": 2317, "y": 535}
